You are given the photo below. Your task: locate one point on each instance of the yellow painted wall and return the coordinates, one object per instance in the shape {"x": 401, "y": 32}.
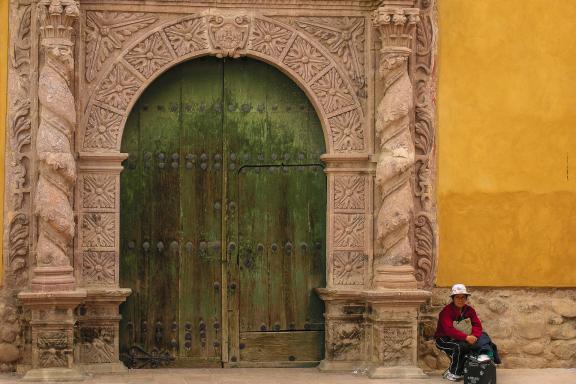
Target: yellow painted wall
{"x": 507, "y": 143}
{"x": 3, "y": 93}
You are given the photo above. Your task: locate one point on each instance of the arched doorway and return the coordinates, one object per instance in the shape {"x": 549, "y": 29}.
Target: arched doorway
{"x": 223, "y": 209}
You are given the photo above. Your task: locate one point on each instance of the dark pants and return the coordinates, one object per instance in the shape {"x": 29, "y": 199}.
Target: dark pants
{"x": 456, "y": 350}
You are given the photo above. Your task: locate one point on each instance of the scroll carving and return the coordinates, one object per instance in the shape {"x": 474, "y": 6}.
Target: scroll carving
{"x": 424, "y": 133}
{"x": 56, "y": 164}
{"x": 395, "y": 149}
{"x": 20, "y": 131}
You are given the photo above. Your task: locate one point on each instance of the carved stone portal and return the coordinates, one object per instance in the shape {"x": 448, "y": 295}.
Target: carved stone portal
{"x": 75, "y": 72}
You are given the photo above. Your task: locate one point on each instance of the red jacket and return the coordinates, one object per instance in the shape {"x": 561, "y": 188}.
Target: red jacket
{"x": 451, "y": 313}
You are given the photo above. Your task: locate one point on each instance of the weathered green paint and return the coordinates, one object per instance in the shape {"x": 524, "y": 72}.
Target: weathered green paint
{"x": 223, "y": 215}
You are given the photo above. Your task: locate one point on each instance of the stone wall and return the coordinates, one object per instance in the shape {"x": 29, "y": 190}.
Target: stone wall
{"x": 533, "y": 328}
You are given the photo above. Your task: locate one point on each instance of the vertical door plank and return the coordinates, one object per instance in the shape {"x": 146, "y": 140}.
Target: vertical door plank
{"x": 201, "y": 210}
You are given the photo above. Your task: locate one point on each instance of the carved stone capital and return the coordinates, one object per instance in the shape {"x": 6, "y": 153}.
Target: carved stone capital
{"x": 397, "y": 27}
{"x": 57, "y": 18}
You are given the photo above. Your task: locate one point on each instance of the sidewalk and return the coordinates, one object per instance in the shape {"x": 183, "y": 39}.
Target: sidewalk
{"x": 301, "y": 375}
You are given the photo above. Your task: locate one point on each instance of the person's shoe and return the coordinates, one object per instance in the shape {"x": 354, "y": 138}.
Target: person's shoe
{"x": 451, "y": 377}
{"x": 483, "y": 358}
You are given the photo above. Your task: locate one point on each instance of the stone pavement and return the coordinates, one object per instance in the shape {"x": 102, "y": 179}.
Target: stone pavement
{"x": 301, "y": 375}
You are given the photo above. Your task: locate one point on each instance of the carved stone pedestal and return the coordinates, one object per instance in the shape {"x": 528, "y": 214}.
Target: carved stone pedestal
{"x": 345, "y": 323}
{"x": 98, "y": 323}
{"x": 52, "y": 324}
{"x": 393, "y": 340}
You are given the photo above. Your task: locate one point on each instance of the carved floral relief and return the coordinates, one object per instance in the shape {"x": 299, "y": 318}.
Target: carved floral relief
{"x": 332, "y": 91}
{"x": 118, "y": 88}
{"x": 102, "y": 130}
{"x": 347, "y": 132}
{"x": 349, "y": 192}
{"x": 268, "y": 38}
{"x": 188, "y": 36}
{"x": 98, "y": 230}
{"x": 99, "y": 267}
{"x": 98, "y": 191}
{"x": 305, "y": 59}
{"x": 349, "y": 230}
{"x": 348, "y": 268}
{"x": 107, "y": 32}
{"x": 149, "y": 55}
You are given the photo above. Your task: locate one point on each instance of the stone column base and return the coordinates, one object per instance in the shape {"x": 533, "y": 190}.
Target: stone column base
{"x": 52, "y": 324}
{"x": 410, "y": 372}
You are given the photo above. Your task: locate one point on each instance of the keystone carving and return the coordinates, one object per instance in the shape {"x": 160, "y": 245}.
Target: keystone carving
{"x": 228, "y": 35}
{"x": 56, "y": 164}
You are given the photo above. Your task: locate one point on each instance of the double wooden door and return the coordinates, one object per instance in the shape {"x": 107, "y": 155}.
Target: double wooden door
{"x": 223, "y": 205}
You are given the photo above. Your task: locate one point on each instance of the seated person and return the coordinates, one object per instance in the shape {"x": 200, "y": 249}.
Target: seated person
{"x": 457, "y": 343}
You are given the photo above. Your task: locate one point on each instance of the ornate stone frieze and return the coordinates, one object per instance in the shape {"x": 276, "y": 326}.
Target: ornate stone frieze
{"x": 98, "y": 191}
{"x": 305, "y": 59}
{"x": 395, "y": 147}
{"x": 393, "y": 346}
{"x": 349, "y": 268}
{"x": 98, "y": 230}
{"x": 349, "y": 230}
{"x": 269, "y": 38}
{"x": 349, "y": 192}
{"x": 188, "y": 35}
{"x": 53, "y": 349}
{"x": 344, "y": 37}
{"x": 107, "y": 32}
{"x": 99, "y": 268}
{"x": 97, "y": 345}
{"x": 56, "y": 164}
{"x": 102, "y": 130}
{"x": 118, "y": 88}
{"x": 348, "y": 132}
{"x": 228, "y": 34}
{"x": 332, "y": 91}
{"x": 149, "y": 55}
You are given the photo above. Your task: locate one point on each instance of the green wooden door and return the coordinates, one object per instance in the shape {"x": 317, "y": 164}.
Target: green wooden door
{"x": 223, "y": 202}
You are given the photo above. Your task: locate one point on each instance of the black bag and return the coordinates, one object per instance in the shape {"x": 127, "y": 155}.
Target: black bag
{"x": 476, "y": 372}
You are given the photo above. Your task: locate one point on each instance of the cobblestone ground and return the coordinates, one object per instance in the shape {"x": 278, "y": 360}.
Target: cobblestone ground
{"x": 304, "y": 376}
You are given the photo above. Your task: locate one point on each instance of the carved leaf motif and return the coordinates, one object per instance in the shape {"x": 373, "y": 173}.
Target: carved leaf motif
{"x": 102, "y": 129}
{"x": 424, "y": 248}
{"x": 53, "y": 349}
{"x": 343, "y": 37}
{"x": 394, "y": 345}
{"x": 118, "y": 87}
{"x": 349, "y": 192}
{"x": 188, "y": 36}
{"x": 108, "y": 31}
{"x": 349, "y": 230}
{"x": 99, "y": 267}
{"x": 18, "y": 239}
{"x": 21, "y": 49}
{"x": 98, "y": 230}
{"x": 348, "y": 268}
{"x": 424, "y": 132}
{"x": 332, "y": 91}
{"x": 345, "y": 341}
{"x": 99, "y": 191}
{"x": 305, "y": 60}
{"x": 268, "y": 38}
{"x": 149, "y": 55}
{"x": 347, "y": 132}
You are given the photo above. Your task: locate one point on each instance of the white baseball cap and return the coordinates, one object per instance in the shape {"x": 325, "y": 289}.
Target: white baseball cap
{"x": 459, "y": 289}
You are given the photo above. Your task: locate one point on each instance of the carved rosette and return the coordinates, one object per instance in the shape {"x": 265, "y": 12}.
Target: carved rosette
{"x": 56, "y": 164}
{"x": 395, "y": 150}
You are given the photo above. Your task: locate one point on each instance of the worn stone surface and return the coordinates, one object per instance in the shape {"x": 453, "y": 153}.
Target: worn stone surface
{"x": 529, "y": 326}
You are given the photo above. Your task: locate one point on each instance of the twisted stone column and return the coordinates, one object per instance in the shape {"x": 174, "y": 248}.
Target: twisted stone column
{"x": 395, "y": 151}
{"x": 53, "y": 298}
{"x": 56, "y": 165}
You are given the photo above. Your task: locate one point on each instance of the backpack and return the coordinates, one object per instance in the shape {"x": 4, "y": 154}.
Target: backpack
{"x": 476, "y": 372}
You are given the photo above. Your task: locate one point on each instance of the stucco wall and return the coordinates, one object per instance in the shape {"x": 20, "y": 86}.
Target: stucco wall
{"x": 507, "y": 139}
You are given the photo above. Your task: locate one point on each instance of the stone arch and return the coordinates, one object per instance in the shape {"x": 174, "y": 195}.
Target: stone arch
{"x": 303, "y": 60}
